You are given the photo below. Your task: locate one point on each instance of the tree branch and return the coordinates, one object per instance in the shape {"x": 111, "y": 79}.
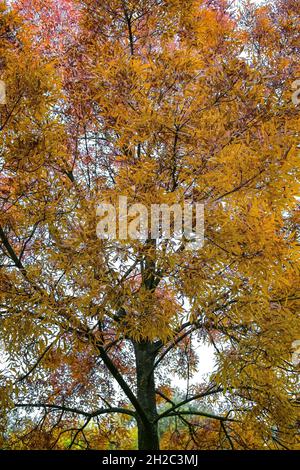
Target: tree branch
{"x": 68, "y": 409}
{"x": 118, "y": 377}
{"x": 197, "y": 413}
{"x": 209, "y": 391}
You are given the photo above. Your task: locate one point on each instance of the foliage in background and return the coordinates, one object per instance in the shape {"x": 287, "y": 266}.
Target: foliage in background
{"x": 160, "y": 101}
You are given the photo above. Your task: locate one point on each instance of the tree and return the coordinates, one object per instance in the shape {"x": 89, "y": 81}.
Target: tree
{"x": 159, "y": 101}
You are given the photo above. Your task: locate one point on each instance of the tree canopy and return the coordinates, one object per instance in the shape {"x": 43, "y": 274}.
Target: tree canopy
{"x": 159, "y": 101}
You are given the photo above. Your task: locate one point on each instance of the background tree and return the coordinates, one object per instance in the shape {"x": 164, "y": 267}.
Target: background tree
{"x": 159, "y": 101}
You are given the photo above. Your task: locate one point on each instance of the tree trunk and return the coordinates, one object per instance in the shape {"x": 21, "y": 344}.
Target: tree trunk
{"x": 147, "y": 432}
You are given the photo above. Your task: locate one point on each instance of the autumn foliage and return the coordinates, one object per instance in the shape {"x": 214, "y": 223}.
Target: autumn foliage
{"x": 159, "y": 101}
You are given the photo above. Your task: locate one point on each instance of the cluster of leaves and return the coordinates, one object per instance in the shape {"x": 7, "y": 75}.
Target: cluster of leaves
{"x": 159, "y": 101}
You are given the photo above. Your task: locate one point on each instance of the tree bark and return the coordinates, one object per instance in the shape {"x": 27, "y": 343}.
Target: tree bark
{"x": 148, "y": 438}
